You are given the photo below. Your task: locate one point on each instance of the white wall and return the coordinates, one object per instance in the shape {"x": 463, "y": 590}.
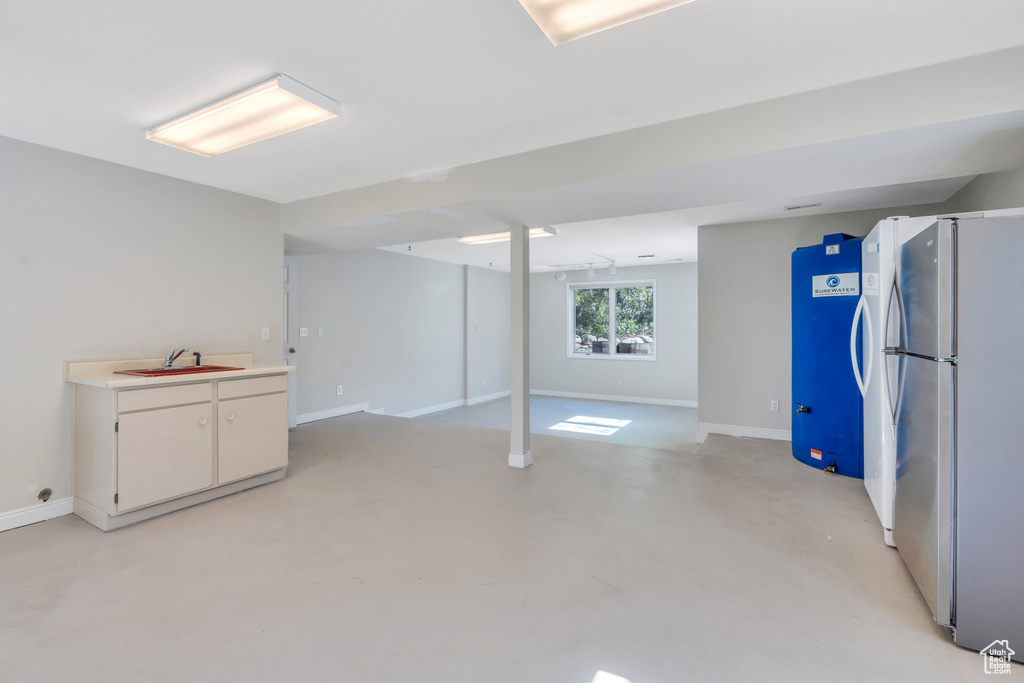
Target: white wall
{"x": 670, "y": 378}
{"x": 394, "y": 329}
{"x": 745, "y": 323}
{"x": 990, "y": 191}
{"x": 488, "y": 332}
{"x": 99, "y": 261}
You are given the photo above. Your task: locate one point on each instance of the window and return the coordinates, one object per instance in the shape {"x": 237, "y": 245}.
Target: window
{"x": 597, "y": 308}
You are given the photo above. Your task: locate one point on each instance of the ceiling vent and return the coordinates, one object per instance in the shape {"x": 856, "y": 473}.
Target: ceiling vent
{"x": 796, "y": 207}
{"x": 642, "y": 256}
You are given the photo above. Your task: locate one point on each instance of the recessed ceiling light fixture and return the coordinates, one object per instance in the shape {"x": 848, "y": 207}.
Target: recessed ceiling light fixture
{"x": 565, "y": 20}
{"x": 496, "y": 237}
{"x": 271, "y": 108}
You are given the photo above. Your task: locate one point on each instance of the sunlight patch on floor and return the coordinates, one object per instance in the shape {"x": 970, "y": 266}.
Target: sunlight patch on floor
{"x": 598, "y": 426}
{"x": 605, "y": 677}
{"x": 606, "y": 421}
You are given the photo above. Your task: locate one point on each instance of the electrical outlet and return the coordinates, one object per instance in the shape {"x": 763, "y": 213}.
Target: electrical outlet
{"x": 265, "y": 334}
{"x": 339, "y": 390}
{"x": 775, "y": 406}
{"x": 303, "y": 331}
{"x": 485, "y": 383}
{"x": 319, "y": 331}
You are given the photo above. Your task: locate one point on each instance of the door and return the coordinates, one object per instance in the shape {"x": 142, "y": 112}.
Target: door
{"x": 922, "y": 521}
{"x": 879, "y": 289}
{"x": 291, "y": 333}
{"x": 251, "y": 436}
{"x": 925, "y": 456}
{"x": 926, "y": 283}
{"x": 989, "y": 456}
{"x": 163, "y": 454}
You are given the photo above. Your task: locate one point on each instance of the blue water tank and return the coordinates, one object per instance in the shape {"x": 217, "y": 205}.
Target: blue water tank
{"x": 828, "y": 410}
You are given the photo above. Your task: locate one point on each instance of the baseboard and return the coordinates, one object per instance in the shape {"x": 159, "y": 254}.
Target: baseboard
{"x": 433, "y": 409}
{"x": 107, "y": 522}
{"x": 705, "y": 428}
{"x": 520, "y": 460}
{"x": 333, "y": 412}
{"x": 612, "y": 397}
{"x": 36, "y": 513}
{"x": 488, "y": 397}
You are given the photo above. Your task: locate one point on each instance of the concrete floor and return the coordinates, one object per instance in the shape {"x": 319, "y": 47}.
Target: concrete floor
{"x": 666, "y": 427}
{"x": 407, "y": 551}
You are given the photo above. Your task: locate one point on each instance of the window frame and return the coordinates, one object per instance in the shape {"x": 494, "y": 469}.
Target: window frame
{"x": 611, "y": 285}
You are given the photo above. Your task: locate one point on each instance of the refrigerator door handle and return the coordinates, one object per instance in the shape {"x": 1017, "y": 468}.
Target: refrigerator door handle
{"x": 902, "y": 373}
{"x": 887, "y": 351}
{"x": 862, "y": 383}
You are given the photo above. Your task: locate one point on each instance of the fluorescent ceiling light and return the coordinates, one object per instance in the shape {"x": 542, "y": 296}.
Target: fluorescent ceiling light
{"x": 496, "y": 237}
{"x": 565, "y": 20}
{"x": 263, "y": 111}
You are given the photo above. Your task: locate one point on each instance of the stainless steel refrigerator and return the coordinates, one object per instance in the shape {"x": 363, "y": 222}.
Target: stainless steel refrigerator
{"x": 959, "y": 499}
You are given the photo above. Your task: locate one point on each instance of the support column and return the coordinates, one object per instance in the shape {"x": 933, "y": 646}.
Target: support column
{"x": 520, "y": 456}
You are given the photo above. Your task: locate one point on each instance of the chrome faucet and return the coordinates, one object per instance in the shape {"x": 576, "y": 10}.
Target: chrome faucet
{"x": 173, "y": 356}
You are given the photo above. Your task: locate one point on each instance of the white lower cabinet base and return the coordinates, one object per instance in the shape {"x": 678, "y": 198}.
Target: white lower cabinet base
{"x": 106, "y": 522}
{"x": 144, "y": 449}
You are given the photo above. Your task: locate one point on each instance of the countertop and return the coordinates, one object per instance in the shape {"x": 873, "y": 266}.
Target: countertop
{"x": 101, "y": 373}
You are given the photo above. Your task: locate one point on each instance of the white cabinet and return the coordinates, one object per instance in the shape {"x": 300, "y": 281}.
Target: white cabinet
{"x": 252, "y": 431}
{"x": 142, "y": 452}
{"x": 163, "y": 453}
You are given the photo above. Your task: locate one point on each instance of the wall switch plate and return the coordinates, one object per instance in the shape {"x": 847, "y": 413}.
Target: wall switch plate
{"x": 265, "y": 334}
{"x": 319, "y": 331}
{"x": 303, "y": 331}
{"x": 339, "y": 390}
{"x": 775, "y": 406}
{"x": 620, "y": 382}
{"x": 476, "y": 328}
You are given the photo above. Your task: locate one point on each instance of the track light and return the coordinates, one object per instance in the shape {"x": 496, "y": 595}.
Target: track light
{"x": 590, "y": 270}
{"x": 560, "y": 276}
{"x": 613, "y": 269}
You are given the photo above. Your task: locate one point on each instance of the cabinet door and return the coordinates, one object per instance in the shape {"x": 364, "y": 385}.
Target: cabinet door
{"x": 163, "y": 454}
{"x": 252, "y": 436}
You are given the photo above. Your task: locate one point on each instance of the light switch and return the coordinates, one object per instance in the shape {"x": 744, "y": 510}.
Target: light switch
{"x": 319, "y": 331}
{"x": 303, "y": 331}
{"x": 265, "y": 334}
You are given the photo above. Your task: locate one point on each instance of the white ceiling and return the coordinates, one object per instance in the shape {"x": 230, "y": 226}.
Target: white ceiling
{"x": 438, "y": 84}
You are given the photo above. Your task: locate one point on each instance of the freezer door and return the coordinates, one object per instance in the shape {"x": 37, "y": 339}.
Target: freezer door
{"x": 989, "y": 455}
{"x": 926, "y": 280}
{"x": 878, "y": 267}
{"x": 922, "y": 519}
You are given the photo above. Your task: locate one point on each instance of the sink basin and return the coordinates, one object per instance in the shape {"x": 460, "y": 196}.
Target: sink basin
{"x": 183, "y": 370}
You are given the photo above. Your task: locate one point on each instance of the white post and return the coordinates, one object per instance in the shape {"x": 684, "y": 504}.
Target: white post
{"x": 520, "y": 455}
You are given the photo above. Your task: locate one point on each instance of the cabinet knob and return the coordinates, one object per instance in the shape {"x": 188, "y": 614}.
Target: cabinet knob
{"x": 202, "y": 420}
{"x": 231, "y": 416}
